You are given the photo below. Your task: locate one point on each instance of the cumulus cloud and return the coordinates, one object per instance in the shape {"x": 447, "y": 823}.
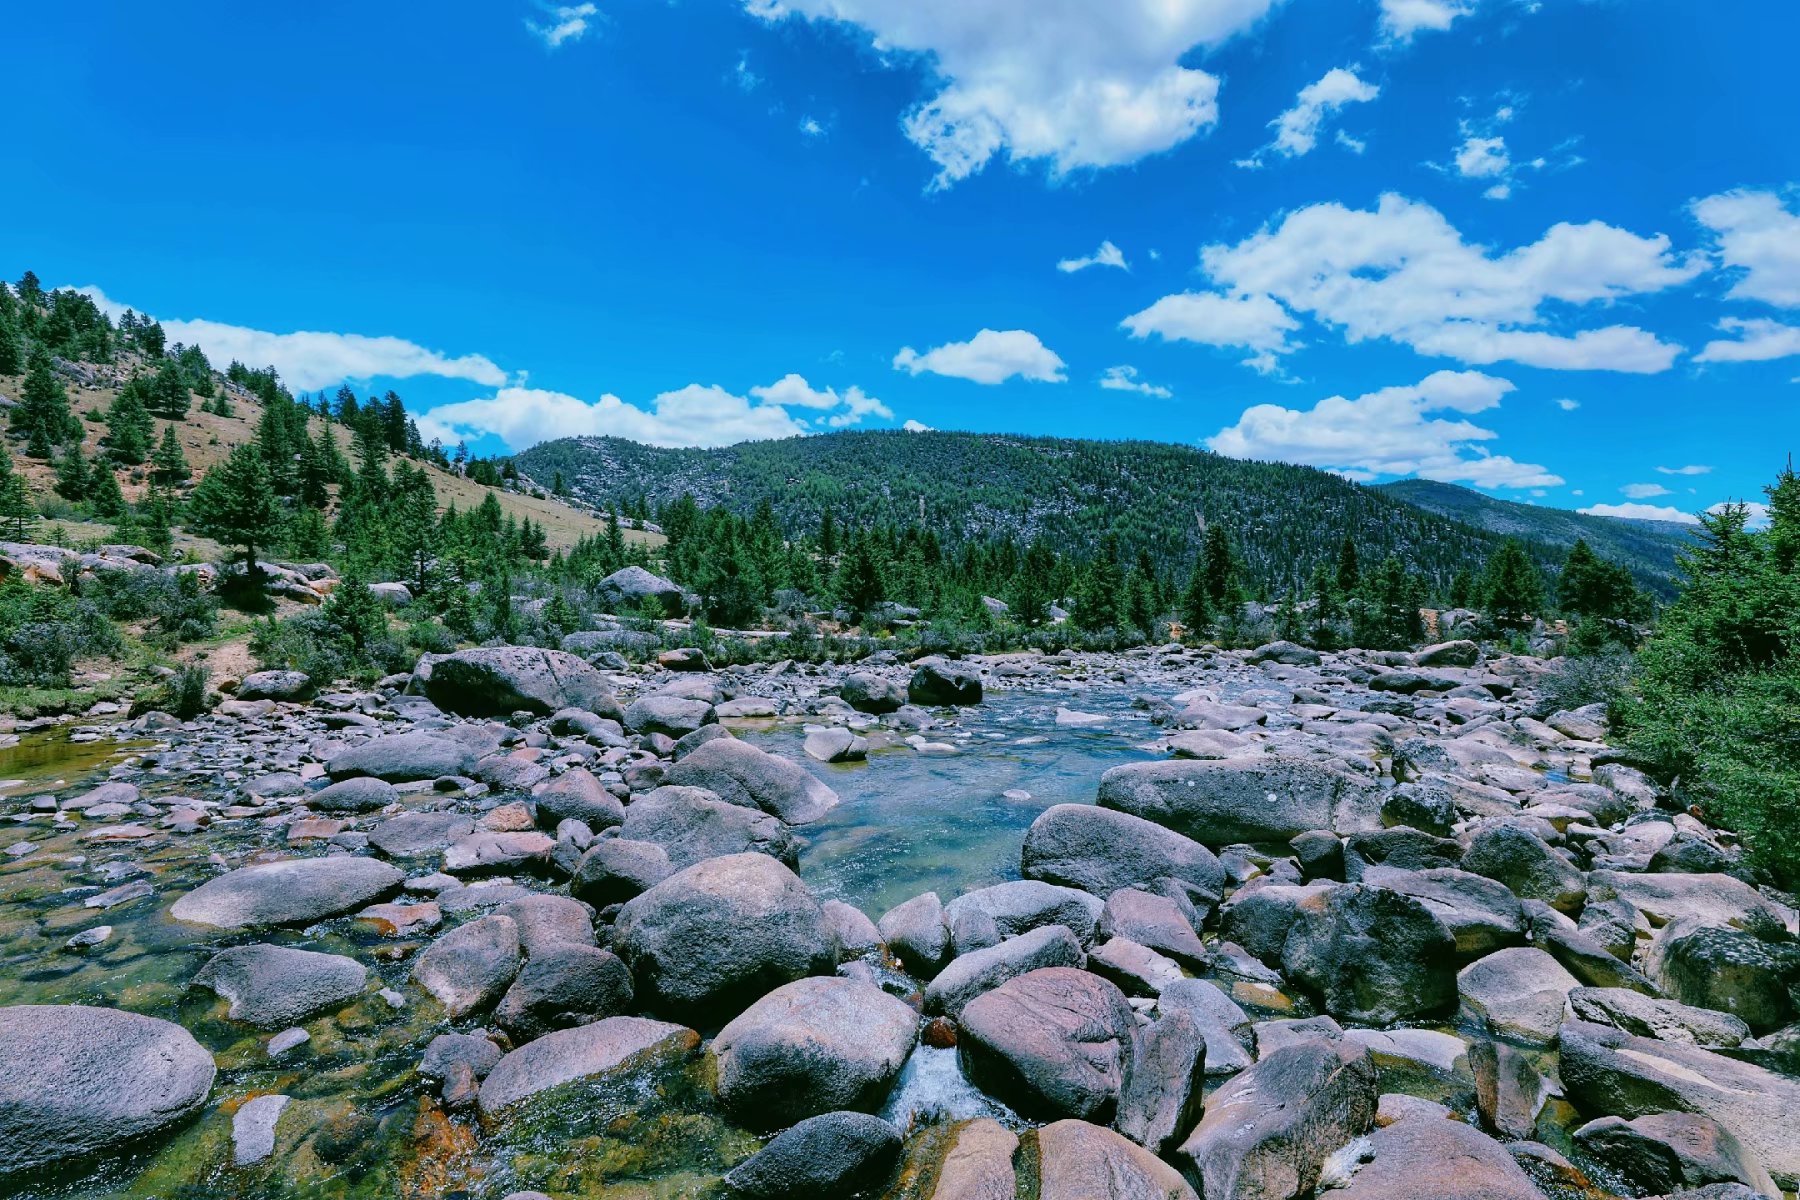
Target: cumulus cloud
{"x": 912, "y": 426}
{"x": 1644, "y": 491}
{"x": 1568, "y": 405}
{"x": 1641, "y": 512}
{"x": 1758, "y": 340}
{"x": 1108, "y": 255}
{"x": 1403, "y": 273}
{"x": 565, "y": 23}
{"x": 1390, "y": 432}
{"x": 1297, "y": 130}
{"x": 1254, "y": 322}
{"x": 309, "y": 360}
{"x": 1125, "y": 379}
{"x": 1757, "y": 238}
{"x": 1694, "y": 469}
{"x": 1401, "y": 19}
{"x": 991, "y": 356}
{"x": 1077, "y": 85}
{"x": 695, "y": 415}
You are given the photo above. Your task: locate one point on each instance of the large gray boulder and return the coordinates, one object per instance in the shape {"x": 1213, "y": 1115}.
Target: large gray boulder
{"x": 1219, "y": 802}
{"x": 1021, "y": 905}
{"x": 915, "y": 931}
{"x": 410, "y": 834}
{"x": 1100, "y": 851}
{"x": 616, "y": 869}
{"x": 275, "y": 685}
{"x": 562, "y": 985}
{"x": 296, "y": 891}
{"x": 983, "y": 970}
{"x": 1728, "y": 970}
{"x": 273, "y": 987}
{"x": 633, "y": 585}
{"x": 692, "y": 824}
{"x": 400, "y": 757}
{"x": 501, "y": 680}
{"x": 576, "y": 795}
{"x": 1667, "y": 1152}
{"x": 1607, "y": 1071}
{"x": 77, "y": 1081}
{"x": 614, "y": 1046}
{"x": 937, "y": 681}
{"x": 671, "y": 716}
{"x": 1527, "y": 866}
{"x": 872, "y": 694}
{"x": 471, "y": 966}
{"x": 1053, "y": 1043}
{"x": 360, "y": 794}
{"x": 1162, "y": 1099}
{"x": 1080, "y": 1161}
{"x": 1372, "y": 956}
{"x": 813, "y": 1046}
{"x": 1518, "y": 993}
{"x": 827, "y": 1157}
{"x": 1426, "y": 1158}
{"x": 741, "y": 774}
{"x": 1268, "y": 1129}
{"x": 1482, "y": 914}
{"x": 709, "y": 940}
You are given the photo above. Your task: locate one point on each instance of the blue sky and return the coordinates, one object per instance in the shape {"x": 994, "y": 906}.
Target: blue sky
{"x": 1549, "y": 248}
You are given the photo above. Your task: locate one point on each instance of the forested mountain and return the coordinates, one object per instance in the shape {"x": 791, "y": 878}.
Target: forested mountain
{"x": 1649, "y": 548}
{"x": 1154, "y": 497}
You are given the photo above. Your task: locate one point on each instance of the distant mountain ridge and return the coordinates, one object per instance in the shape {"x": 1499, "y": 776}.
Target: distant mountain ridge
{"x": 1649, "y": 548}
{"x": 1155, "y": 497}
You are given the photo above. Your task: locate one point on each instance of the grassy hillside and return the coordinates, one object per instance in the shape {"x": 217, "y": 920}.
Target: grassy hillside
{"x": 975, "y": 487}
{"x": 207, "y": 439}
{"x": 1649, "y": 548}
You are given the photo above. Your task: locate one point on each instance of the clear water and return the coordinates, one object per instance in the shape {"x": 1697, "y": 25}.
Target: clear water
{"x": 912, "y": 822}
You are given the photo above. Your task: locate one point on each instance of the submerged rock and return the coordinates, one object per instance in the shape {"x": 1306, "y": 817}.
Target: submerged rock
{"x": 271, "y": 987}
{"x": 617, "y": 1044}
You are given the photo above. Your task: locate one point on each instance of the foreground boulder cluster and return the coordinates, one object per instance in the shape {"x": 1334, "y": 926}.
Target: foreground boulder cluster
{"x": 1356, "y": 925}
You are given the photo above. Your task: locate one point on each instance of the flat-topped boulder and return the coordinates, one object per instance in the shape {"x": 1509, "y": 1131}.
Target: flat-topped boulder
{"x": 501, "y": 680}
{"x": 615, "y": 1045}
{"x": 692, "y": 824}
{"x": 295, "y": 891}
{"x": 77, "y": 1081}
{"x": 739, "y": 773}
{"x": 403, "y": 757}
{"x": 273, "y": 987}
{"x": 1100, "y": 851}
{"x": 1222, "y": 801}
{"x": 939, "y": 682}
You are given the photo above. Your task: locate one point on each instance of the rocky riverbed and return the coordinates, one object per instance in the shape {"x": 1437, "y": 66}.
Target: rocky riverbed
{"x": 1167, "y": 924}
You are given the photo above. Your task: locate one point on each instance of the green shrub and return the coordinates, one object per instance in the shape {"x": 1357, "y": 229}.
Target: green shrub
{"x": 1582, "y": 679}
{"x": 45, "y": 630}
{"x": 183, "y": 694}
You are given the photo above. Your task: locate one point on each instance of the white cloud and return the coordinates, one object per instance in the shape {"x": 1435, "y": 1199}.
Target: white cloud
{"x": 1297, "y": 130}
{"x": 1759, "y": 340}
{"x": 1400, "y": 19}
{"x": 746, "y": 79}
{"x": 1641, "y": 512}
{"x": 1759, "y": 237}
{"x": 1072, "y": 83}
{"x": 1389, "y": 432}
{"x": 1482, "y": 158}
{"x": 1688, "y": 470}
{"x": 1254, "y": 322}
{"x": 1402, "y": 272}
{"x": 916, "y": 427}
{"x": 1644, "y": 491}
{"x": 1125, "y": 379}
{"x": 310, "y": 360}
{"x": 567, "y": 23}
{"x": 990, "y": 356}
{"x": 810, "y": 127}
{"x": 1568, "y": 405}
{"x": 1108, "y": 255}
{"x": 695, "y": 415}
{"x": 1353, "y": 145}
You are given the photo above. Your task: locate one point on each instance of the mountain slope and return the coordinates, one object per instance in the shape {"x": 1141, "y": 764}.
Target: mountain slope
{"x": 1153, "y": 496}
{"x": 1649, "y": 548}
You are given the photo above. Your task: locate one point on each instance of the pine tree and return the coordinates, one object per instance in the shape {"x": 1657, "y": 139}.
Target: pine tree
{"x": 169, "y": 395}
{"x": 43, "y": 415}
{"x": 860, "y": 584}
{"x": 1349, "y": 572}
{"x": 1327, "y": 607}
{"x": 1512, "y": 587}
{"x": 74, "y": 481}
{"x": 1034, "y": 584}
{"x": 615, "y": 542}
{"x": 1099, "y": 598}
{"x": 104, "y": 494}
{"x": 169, "y": 466}
{"x": 156, "y": 515}
{"x": 1221, "y": 569}
{"x": 128, "y": 425}
{"x": 356, "y": 612}
{"x": 234, "y": 504}
{"x": 12, "y": 351}
{"x": 16, "y": 510}
{"x": 1196, "y": 608}
{"x": 413, "y": 529}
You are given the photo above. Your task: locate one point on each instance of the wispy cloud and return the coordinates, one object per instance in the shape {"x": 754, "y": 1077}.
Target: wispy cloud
{"x": 565, "y": 23}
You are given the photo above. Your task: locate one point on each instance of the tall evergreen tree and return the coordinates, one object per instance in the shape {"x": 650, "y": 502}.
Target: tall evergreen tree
{"x": 43, "y": 415}
{"x": 1512, "y": 587}
{"x": 16, "y": 510}
{"x": 104, "y": 493}
{"x": 169, "y": 394}
{"x": 1033, "y": 588}
{"x": 1223, "y": 586}
{"x": 235, "y": 504}
{"x": 1099, "y": 599}
{"x": 1196, "y": 608}
{"x": 12, "y": 347}
{"x": 128, "y": 425}
{"x": 1349, "y": 571}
